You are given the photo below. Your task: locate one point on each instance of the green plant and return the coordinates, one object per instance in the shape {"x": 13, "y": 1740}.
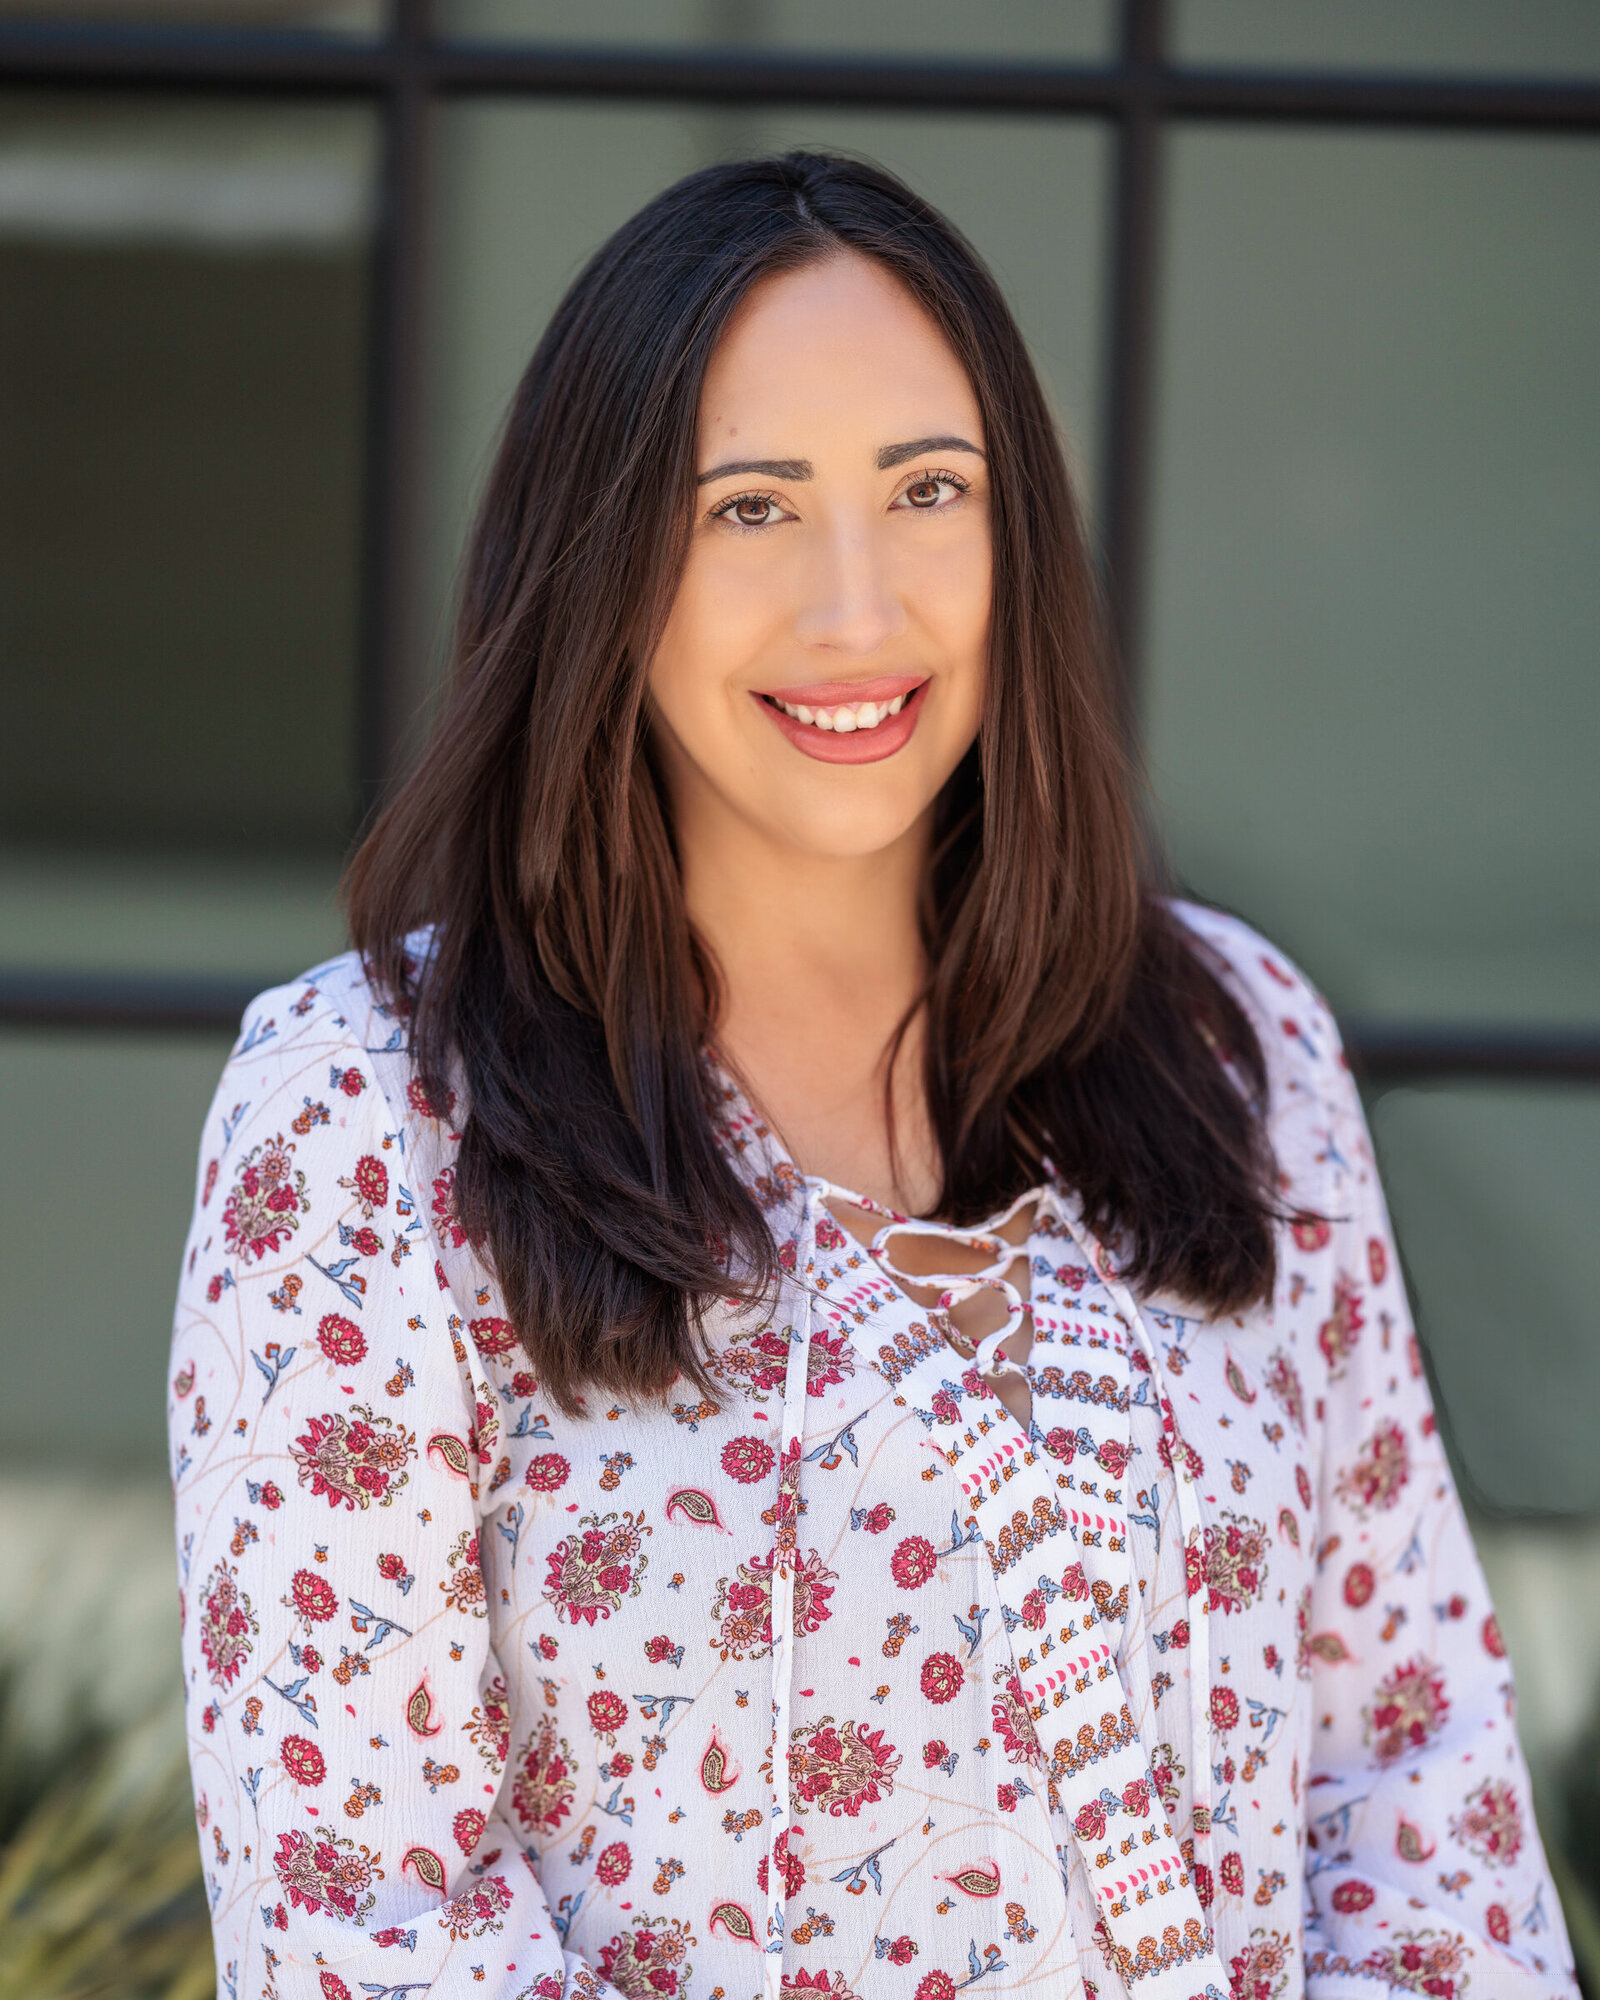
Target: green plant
{"x": 100, "y": 1888}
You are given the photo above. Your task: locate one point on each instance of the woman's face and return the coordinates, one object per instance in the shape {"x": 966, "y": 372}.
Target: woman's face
{"x": 822, "y": 671}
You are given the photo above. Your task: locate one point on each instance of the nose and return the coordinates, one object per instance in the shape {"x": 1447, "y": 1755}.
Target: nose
{"x": 850, "y": 605}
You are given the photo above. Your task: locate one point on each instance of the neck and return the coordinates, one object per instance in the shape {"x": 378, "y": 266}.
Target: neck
{"x": 821, "y": 962}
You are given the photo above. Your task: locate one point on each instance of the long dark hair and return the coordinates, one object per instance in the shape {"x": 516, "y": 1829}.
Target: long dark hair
{"x": 1069, "y": 1016}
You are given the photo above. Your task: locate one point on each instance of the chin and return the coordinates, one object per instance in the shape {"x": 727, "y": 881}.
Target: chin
{"x": 849, "y": 829}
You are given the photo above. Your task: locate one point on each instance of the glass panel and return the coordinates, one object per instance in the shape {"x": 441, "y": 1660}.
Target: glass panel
{"x": 1494, "y": 1190}
{"x": 96, "y": 1205}
{"x": 1029, "y": 192}
{"x": 181, "y": 424}
{"x": 1372, "y": 701}
{"x": 1003, "y": 31}
{"x": 338, "y": 17}
{"x": 1544, "y": 1578}
{"x": 1532, "y": 37}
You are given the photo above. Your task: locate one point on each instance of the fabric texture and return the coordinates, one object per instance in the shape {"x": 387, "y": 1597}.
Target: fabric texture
{"x": 842, "y": 1683}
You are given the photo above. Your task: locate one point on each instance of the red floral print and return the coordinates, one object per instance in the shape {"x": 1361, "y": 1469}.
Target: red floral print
{"x": 325, "y": 1872}
{"x": 547, "y": 1473}
{"x": 542, "y": 1790}
{"x": 648, "y": 1961}
{"x": 444, "y": 1209}
{"x": 614, "y": 1865}
{"x": 341, "y": 1339}
{"x": 1373, "y": 1481}
{"x": 264, "y": 1208}
{"x": 1410, "y": 1707}
{"x": 1235, "y": 1567}
{"x": 369, "y": 1183}
{"x": 748, "y": 1459}
{"x": 354, "y": 1459}
{"x": 941, "y": 1677}
{"x": 607, "y": 1713}
{"x": 493, "y": 1338}
{"x": 303, "y": 1761}
{"x": 361, "y": 1457}
{"x": 1490, "y": 1824}
{"x": 841, "y": 1769}
{"x": 314, "y": 1598}
{"x": 422, "y": 1104}
{"x": 226, "y": 1625}
{"x": 1359, "y": 1584}
{"x": 913, "y": 1562}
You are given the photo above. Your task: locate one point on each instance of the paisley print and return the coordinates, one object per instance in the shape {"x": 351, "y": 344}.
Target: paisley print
{"x": 837, "y": 1683}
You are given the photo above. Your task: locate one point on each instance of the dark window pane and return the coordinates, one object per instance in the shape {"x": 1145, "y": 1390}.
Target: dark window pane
{"x": 181, "y": 425}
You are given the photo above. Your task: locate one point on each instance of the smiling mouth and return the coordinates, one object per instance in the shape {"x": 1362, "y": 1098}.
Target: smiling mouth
{"x": 845, "y": 718}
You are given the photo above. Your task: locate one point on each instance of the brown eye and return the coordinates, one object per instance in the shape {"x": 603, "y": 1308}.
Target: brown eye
{"x": 925, "y": 493}
{"x": 752, "y": 513}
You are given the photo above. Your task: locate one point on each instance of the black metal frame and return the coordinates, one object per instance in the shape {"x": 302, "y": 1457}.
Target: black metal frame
{"x": 407, "y": 70}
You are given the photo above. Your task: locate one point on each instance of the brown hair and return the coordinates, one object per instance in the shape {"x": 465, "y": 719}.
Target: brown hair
{"x": 1069, "y": 1016}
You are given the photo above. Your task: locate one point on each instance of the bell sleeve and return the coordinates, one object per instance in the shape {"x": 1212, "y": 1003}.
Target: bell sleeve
{"x": 346, "y": 1711}
{"x": 1424, "y": 1868}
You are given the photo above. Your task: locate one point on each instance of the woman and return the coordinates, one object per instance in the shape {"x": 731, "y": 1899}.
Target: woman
{"x": 621, "y": 1553}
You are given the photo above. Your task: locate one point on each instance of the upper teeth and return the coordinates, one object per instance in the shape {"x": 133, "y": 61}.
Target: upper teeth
{"x": 848, "y": 716}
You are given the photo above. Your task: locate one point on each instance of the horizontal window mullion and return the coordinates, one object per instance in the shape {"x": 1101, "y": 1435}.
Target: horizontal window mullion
{"x": 1391, "y": 1052}
{"x": 1354, "y": 98}
{"x": 251, "y": 61}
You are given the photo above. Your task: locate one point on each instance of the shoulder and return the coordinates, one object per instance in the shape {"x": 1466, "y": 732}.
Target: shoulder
{"x": 1266, "y": 982}
{"x": 335, "y": 1013}
{"x": 1311, "y": 1094}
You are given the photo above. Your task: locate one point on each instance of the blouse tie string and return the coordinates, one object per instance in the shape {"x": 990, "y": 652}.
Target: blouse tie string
{"x": 1099, "y": 1771}
{"x": 785, "y": 1533}
{"x": 954, "y": 1287}
{"x": 1189, "y": 1519}
{"x": 1024, "y": 1503}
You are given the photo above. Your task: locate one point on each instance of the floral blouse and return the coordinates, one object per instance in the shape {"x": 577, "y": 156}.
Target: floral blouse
{"x": 842, "y": 1683}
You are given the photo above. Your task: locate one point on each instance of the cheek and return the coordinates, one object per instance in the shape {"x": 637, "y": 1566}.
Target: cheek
{"x": 717, "y": 625}
{"x": 955, "y": 595}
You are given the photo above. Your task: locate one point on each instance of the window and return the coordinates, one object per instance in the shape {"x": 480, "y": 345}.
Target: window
{"x": 1315, "y": 285}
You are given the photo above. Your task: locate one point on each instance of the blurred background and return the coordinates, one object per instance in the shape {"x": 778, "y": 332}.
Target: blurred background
{"x": 1316, "y": 286}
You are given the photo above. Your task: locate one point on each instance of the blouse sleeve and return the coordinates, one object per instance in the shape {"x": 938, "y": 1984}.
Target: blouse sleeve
{"x": 346, "y": 1712}
{"x": 1424, "y": 1866}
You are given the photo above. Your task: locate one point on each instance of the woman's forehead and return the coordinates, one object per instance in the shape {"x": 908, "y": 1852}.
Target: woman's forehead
{"x": 839, "y": 347}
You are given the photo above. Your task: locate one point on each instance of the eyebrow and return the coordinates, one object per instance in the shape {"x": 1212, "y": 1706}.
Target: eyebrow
{"x": 898, "y": 454}
{"x": 889, "y": 456}
{"x": 770, "y": 468}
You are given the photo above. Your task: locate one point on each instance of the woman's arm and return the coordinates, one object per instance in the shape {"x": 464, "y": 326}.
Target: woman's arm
{"x": 346, "y": 1712}
{"x": 1424, "y": 1863}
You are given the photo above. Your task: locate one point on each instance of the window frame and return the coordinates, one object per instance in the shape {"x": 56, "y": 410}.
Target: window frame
{"x": 406, "y": 72}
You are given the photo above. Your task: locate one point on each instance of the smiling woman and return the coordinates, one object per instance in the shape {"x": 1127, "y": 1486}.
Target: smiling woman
{"x": 867, "y": 554}
{"x": 771, "y": 1104}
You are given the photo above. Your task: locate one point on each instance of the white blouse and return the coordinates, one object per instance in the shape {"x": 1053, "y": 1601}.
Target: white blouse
{"x": 1191, "y": 1688}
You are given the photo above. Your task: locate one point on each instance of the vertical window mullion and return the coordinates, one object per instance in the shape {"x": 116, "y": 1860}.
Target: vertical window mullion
{"x": 393, "y": 664}
{"x": 1131, "y": 338}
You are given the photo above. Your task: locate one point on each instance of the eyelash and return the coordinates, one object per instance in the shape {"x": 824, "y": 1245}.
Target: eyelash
{"x": 724, "y": 508}
{"x": 933, "y": 476}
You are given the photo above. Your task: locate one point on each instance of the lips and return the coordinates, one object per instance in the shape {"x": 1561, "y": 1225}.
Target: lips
{"x": 848, "y": 722}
